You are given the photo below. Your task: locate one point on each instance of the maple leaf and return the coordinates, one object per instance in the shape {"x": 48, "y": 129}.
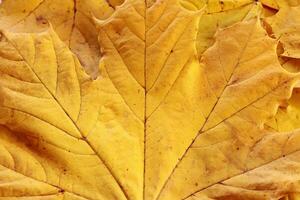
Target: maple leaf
{"x": 210, "y": 22}
{"x": 278, "y": 4}
{"x": 71, "y": 20}
{"x": 158, "y": 123}
{"x": 284, "y": 26}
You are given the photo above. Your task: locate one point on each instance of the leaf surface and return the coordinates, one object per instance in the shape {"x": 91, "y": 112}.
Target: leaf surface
{"x": 58, "y": 112}
{"x": 278, "y": 4}
{"x": 284, "y": 26}
{"x": 71, "y": 19}
{"x": 176, "y": 111}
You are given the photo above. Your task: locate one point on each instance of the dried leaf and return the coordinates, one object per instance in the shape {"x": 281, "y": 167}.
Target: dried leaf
{"x": 163, "y": 120}
{"x": 71, "y": 19}
{"x": 285, "y": 25}
{"x": 278, "y": 4}
{"x": 211, "y": 22}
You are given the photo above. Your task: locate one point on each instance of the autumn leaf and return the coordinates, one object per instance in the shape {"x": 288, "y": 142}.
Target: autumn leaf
{"x": 161, "y": 119}
{"x": 211, "y": 22}
{"x": 214, "y": 6}
{"x": 71, "y": 20}
{"x": 278, "y": 4}
{"x": 285, "y": 25}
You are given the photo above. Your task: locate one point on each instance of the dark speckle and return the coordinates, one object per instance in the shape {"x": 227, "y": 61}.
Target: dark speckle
{"x": 41, "y": 19}
{"x": 222, "y": 5}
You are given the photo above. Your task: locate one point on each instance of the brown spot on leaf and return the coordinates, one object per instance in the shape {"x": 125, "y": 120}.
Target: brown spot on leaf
{"x": 41, "y": 19}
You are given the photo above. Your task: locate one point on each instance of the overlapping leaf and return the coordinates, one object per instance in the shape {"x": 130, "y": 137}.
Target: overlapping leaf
{"x": 278, "y": 4}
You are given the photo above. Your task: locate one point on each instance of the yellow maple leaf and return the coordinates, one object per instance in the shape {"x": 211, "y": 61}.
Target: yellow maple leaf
{"x": 158, "y": 123}
{"x": 278, "y": 4}
{"x": 285, "y": 26}
{"x": 71, "y": 19}
{"x": 211, "y": 22}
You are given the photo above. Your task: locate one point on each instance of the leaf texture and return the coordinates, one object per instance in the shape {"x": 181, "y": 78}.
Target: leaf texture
{"x": 155, "y": 100}
{"x": 278, "y": 4}
{"x": 71, "y": 19}
{"x": 284, "y": 25}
